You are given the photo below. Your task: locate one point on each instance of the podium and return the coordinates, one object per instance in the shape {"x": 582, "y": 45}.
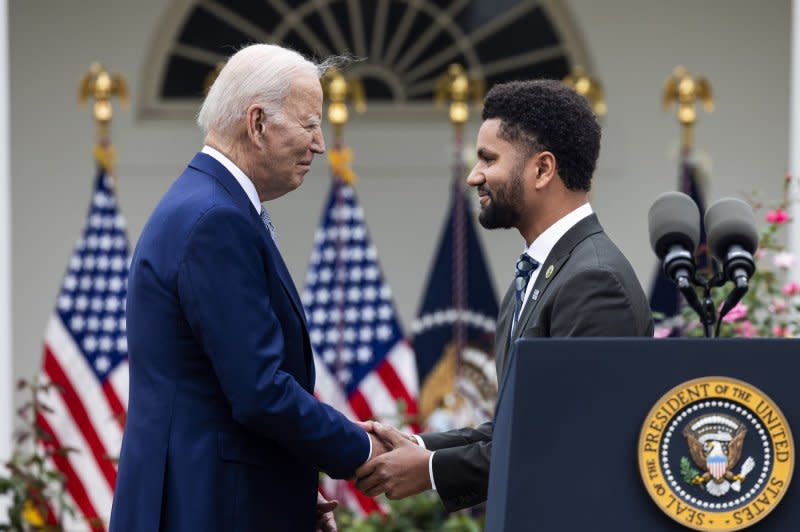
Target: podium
{"x": 575, "y": 416}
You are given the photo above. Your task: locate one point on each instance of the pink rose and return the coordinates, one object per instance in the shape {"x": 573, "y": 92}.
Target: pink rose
{"x": 746, "y": 329}
{"x": 778, "y": 216}
{"x": 777, "y": 306}
{"x": 791, "y": 289}
{"x": 784, "y": 260}
{"x": 662, "y": 332}
{"x": 781, "y": 331}
{"x": 736, "y": 313}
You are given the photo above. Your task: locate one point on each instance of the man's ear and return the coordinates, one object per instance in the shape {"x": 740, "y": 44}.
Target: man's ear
{"x": 545, "y": 164}
{"x": 256, "y": 123}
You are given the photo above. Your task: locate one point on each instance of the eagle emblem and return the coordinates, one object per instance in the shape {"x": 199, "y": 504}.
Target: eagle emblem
{"x": 715, "y": 444}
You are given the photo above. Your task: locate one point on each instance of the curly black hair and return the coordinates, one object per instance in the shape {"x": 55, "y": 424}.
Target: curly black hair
{"x": 544, "y": 114}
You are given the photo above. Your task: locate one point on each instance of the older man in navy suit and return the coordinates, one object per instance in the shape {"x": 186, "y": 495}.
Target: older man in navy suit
{"x": 223, "y": 431}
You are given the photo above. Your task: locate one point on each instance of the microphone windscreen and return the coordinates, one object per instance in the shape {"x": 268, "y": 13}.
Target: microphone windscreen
{"x": 730, "y": 221}
{"x": 673, "y": 219}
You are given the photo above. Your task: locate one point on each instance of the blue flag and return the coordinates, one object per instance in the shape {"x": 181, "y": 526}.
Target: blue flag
{"x": 665, "y": 298}
{"x": 454, "y": 331}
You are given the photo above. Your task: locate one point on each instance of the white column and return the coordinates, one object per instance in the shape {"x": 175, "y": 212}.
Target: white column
{"x": 794, "y": 135}
{"x": 6, "y": 370}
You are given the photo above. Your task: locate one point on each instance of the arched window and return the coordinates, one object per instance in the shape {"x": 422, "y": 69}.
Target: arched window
{"x": 405, "y": 44}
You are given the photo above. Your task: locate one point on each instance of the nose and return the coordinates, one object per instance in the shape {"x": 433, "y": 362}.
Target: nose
{"x": 475, "y": 178}
{"x": 318, "y": 142}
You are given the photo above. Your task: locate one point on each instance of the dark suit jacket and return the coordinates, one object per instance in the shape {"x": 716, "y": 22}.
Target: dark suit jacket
{"x": 592, "y": 291}
{"x": 223, "y": 431}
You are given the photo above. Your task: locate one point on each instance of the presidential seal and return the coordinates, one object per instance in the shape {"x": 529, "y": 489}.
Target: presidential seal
{"x": 716, "y": 453}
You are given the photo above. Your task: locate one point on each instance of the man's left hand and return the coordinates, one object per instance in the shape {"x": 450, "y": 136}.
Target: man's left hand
{"x": 325, "y": 519}
{"x": 399, "y": 473}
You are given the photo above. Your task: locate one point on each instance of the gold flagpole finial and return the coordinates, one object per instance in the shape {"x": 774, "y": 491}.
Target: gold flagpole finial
{"x": 457, "y": 87}
{"x": 338, "y": 90}
{"x": 588, "y": 87}
{"x": 98, "y": 84}
{"x": 686, "y": 90}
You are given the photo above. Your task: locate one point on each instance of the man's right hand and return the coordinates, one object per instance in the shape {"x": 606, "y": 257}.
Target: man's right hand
{"x": 369, "y": 427}
{"x": 402, "y": 472}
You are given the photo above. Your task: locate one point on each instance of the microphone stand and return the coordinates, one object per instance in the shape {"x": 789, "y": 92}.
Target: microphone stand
{"x": 705, "y": 307}
{"x": 708, "y": 315}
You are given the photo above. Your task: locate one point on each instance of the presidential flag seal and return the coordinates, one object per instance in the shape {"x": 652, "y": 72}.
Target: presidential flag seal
{"x": 716, "y": 453}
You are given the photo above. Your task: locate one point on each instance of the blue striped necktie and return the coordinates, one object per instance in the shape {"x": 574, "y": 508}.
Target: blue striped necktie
{"x": 526, "y": 265}
{"x": 265, "y": 217}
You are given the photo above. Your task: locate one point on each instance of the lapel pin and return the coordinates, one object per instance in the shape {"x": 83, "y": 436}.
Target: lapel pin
{"x": 549, "y": 272}
{"x": 535, "y": 294}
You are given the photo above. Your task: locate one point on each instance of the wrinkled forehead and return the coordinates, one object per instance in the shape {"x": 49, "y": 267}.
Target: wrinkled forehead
{"x": 301, "y": 102}
{"x": 304, "y": 89}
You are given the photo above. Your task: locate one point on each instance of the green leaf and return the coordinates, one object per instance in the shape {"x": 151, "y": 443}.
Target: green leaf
{"x": 688, "y": 473}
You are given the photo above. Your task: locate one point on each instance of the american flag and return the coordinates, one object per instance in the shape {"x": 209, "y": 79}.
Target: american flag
{"x": 365, "y": 367}
{"x": 86, "y": 355}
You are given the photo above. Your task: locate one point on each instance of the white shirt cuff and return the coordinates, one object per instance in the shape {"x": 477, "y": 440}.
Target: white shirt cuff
{"x": 421, "y": 443}
{"x": 369, "y": 456}
{"x": 430, "y": 471}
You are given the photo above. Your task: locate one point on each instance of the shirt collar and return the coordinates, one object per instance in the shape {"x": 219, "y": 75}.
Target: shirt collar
{"x": 544, "y": 244}
{"x": 245, "y": 182}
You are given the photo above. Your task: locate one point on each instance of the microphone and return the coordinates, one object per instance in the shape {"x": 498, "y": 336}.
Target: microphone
{"x": 674, "y": 224}
{"x": 733, "y": 238}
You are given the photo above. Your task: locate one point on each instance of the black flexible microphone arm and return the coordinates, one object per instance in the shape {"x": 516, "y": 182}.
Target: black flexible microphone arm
{"x": 740, "y": 288}
{"x": 705, "y": 309}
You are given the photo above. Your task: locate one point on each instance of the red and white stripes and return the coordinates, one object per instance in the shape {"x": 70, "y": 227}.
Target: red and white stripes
{"x": 87, "y": 416}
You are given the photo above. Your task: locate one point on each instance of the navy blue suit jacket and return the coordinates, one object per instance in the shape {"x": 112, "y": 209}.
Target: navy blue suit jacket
{"x": 223, "y": 432}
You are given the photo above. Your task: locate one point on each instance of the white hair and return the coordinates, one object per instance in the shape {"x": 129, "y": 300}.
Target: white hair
{"x": 259, "y": 73}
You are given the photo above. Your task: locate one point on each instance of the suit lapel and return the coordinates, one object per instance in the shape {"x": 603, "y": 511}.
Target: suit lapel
{"x": 284, "y": 275}
{"x": 556, "y": 259}
{"x": 208, "y": 165}
{"x": 291, "y": 291}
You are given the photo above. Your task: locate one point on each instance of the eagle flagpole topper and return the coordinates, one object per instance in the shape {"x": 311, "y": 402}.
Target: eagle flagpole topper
{"x": 685, "y": 90}
{"x": 97, "y": 83}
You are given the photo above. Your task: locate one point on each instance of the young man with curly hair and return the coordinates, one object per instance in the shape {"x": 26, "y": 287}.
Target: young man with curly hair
{"x": 537, "y": 150}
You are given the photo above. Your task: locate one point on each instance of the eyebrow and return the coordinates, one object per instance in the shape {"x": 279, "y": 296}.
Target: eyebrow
{"x": 484, "y": 153}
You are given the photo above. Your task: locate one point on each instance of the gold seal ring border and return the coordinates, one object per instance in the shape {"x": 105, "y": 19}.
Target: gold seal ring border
{"x": 729, "y": 380}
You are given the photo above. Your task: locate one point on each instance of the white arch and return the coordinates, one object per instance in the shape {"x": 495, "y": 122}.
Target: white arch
{"x": 396, "y": 68}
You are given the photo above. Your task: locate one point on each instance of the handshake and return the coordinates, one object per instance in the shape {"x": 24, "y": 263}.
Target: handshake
{"x": 398, "y": 466}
